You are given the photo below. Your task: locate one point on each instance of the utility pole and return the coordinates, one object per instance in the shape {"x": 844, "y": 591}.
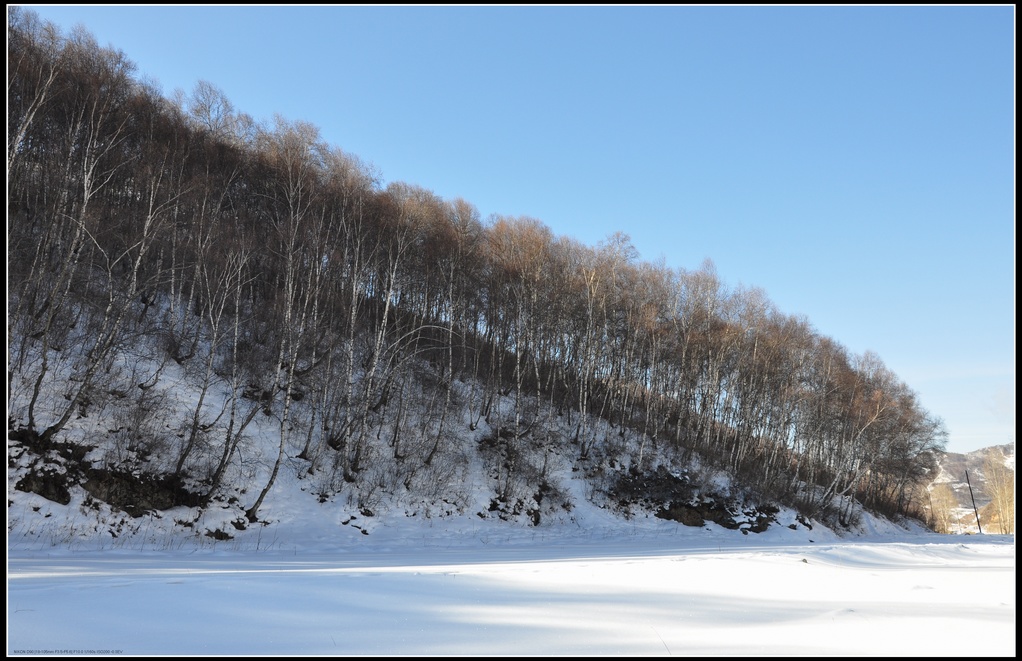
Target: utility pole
{"x": 974, "y": 509}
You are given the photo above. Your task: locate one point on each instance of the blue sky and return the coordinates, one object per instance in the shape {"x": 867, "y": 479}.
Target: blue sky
{"x": 856, "y": 163}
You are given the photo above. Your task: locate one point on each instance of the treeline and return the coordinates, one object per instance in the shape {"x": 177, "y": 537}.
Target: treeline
{"x": 366, "y": 320}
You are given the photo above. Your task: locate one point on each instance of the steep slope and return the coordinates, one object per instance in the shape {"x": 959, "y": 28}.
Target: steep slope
{"x": 95, "y": 488}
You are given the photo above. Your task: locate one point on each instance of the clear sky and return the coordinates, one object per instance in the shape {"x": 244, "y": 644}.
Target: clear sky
{"x": 856, "y": 163}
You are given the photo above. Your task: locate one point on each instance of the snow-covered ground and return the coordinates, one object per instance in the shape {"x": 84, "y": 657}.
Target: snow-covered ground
{"x": 598, "y": 585}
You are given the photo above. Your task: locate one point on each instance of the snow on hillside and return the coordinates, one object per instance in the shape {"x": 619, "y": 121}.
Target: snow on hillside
{"x": 322, "y": 574}
{"x": 307, "y": 512}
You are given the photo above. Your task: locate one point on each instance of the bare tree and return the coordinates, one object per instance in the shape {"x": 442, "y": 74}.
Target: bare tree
{"x": 1000, "y": 480}
{"x": 942, "y": 502}
{"x": 34, "y": 57}
{"x": 292, "y": 151}
{"x": 95, "y": 132}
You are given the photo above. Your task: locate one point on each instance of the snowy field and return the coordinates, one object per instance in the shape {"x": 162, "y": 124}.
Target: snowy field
{"x": 482, "y": 588}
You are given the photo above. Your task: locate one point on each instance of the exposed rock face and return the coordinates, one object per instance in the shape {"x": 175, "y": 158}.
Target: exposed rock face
{"x": 54, "y": 467}
{"x": 748, "y": 519}
{"x": 138, "y": 494}
{"x": 686, "y": 505}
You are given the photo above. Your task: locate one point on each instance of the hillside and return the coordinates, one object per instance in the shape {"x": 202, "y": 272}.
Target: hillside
{"x": 79, "y": 495}
{"x": 68, "y": 498}
{"x": 204, "y": 311}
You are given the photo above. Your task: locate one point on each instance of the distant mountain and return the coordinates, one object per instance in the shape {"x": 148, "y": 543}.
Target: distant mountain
{"x": 959, "y": 472}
